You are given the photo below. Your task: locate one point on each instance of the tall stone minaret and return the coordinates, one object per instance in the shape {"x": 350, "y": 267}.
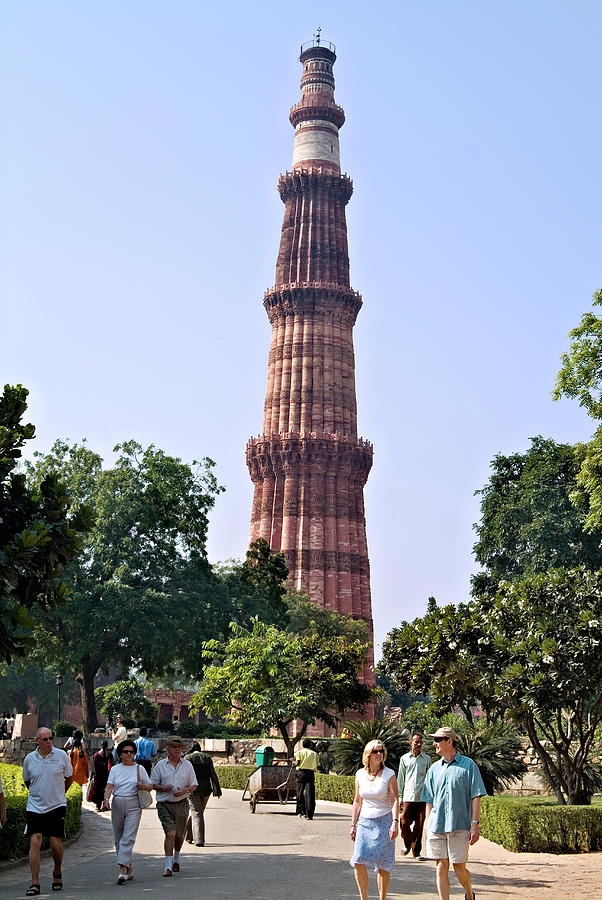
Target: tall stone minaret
{"x": 308, "y": 466}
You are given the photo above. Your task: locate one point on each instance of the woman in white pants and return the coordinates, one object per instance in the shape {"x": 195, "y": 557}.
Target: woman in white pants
{"x": 124, "y": 782}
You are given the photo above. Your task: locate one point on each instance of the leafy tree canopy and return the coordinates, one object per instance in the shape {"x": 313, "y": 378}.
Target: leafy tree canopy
{"x": 305, "y": 617}
{"x": 39, "y": 533}
{"x": 392, "y": 696}
{"x": 580, "y": 375}
{"x": 142, "y": 587}
{"x": 531, "y": 652}
{"x": 23, "y": 685}
{"x": 529, "y": 523}
{"x": 544, "y": 635}
{"x": 265, "y": 677}
{"x": 127, "y": 698}
{"x": 256, "y": 587}
{"x": 424, "y": 717}
{"x": 438, "y": 655}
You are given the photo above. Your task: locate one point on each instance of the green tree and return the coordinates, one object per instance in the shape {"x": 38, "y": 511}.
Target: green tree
{"x": 130, "y": 603}
{"x": 528, "y": 522}
{"x": 425, "y": 718}
{"x": 23, "y": 685}
{"x": 265, "y": 677}
{"x": 256, "y": 587}
{"x": 304, "y": 617}
{"x": 544, "y": 637}
{"x": 532, "y": 653}
{"x": 392, "y": 696}
{"x": 439, "y": 655}
{"x": 127, "y": 698}
{"x": 580, "y": 376}
{"x": 39, "y": 533}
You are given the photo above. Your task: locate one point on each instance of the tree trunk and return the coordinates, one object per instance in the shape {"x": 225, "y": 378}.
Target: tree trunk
{"x": 85, "y": 679}
{"x": 577, "y": 795}
{"x": 288, "y": 740}
{"x": 552, "y": 775}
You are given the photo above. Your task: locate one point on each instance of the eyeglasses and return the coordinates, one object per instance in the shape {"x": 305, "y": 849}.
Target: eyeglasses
{"x": 439, "y": 740}
{"x": 127, "y": 751}
{"x": 378, "y": 751}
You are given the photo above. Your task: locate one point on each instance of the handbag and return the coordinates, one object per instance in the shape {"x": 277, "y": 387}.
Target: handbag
{"x": 91, "y": 786}
{"x": 144, "y": 797}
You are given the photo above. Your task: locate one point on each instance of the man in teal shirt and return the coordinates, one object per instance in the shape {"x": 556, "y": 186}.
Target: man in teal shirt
{"x": 413, "y": 767}
{"x": 452, "y": 792}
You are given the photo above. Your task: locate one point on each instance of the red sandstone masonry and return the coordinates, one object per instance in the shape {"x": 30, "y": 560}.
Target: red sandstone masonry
{"x": 308, "y": 467}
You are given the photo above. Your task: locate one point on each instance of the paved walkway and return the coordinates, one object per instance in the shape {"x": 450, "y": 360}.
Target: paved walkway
{"x": 272, "y": 855}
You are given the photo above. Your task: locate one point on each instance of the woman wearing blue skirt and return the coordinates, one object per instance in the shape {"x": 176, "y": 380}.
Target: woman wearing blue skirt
{"x": 374, "y": 819}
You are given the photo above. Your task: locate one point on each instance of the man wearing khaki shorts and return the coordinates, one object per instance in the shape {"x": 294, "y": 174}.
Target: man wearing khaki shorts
{"x": 452, "y": 792}
{"x": 173, "y": 779}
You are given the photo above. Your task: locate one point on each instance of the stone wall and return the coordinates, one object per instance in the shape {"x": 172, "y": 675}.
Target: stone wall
{"x": 532, "y": 783}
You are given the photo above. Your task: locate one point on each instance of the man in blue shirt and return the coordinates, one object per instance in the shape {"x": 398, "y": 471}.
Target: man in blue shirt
{"x": 145, "y": 750}
{"x": 452, "y": 792}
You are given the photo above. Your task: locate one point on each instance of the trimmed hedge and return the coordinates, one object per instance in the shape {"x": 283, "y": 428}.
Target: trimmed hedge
{"x": 536, "y": 828}
{"x": 13, "y": 843}
{"x": 340, "y": 788}
{"x": 234, "y": 777}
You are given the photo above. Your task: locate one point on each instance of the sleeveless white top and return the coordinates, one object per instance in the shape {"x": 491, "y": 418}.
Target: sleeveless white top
{"x": 374, "y": 793}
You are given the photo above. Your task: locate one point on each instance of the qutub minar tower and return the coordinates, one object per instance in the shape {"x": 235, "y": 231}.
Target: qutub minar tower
{"x": 308, "y": 466}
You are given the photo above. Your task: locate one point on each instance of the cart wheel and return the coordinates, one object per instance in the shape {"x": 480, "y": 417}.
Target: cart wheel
{"x": 253, "y": 803}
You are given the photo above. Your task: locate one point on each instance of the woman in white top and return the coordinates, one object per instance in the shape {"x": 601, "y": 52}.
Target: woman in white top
{"x": 124, "y": 782}
{"x": 374, "y": 819}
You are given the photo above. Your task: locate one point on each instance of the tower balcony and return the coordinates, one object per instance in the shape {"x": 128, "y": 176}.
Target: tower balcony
{"x": 319, "y": 106}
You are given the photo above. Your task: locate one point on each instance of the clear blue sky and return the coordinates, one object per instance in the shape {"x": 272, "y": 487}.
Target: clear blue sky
{"x": 142, "y": 144}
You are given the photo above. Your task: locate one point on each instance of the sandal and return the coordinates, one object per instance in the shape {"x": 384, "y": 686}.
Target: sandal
{"x": 33, "y": 891}
{"x": 57, "y": 881}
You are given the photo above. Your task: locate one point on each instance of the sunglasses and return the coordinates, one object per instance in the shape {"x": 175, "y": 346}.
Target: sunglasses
{"x": 126, "y": 751}
{"x": 45, "y": 739}
{"x": 439, "y": 740}
{"x": 377, "y": 751}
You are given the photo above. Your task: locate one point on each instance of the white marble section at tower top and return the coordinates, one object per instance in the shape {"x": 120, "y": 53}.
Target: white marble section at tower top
{"x": 316, "y": 139}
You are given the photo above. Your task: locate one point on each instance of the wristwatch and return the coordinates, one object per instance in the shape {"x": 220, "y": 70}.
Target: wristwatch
{"x": 475, "y": 822}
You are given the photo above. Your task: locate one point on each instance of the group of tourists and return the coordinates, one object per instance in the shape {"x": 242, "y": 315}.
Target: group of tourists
{"x": 7, "y": 723}
{"x": 442, "y": 799}
{"x": 182, "y": 785}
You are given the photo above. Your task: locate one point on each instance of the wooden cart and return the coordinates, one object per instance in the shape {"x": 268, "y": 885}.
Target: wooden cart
{"x": 270, "y": 784}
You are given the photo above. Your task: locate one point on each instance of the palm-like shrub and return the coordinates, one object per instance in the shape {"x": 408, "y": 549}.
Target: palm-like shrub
{"x": 348, "y": 751}
{"x": 496, "y": 749}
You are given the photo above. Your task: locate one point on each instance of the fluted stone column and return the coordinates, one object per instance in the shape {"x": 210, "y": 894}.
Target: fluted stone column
{"x": 308, "y": 466}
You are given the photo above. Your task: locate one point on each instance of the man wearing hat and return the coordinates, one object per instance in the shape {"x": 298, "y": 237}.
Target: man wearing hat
{"x": 452, "y": 792}
{"x": 173, "y": 779}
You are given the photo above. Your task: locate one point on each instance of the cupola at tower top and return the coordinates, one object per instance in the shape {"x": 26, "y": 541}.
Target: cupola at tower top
{"x": 317, "y": 118}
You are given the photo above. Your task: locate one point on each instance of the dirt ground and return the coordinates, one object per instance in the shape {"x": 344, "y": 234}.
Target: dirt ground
{"x": 537, "y": 875}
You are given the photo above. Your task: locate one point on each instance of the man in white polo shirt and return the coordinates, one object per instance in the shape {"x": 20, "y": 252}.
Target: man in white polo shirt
{"x": 173, "y": 779}
{"x": 47, "y": 774}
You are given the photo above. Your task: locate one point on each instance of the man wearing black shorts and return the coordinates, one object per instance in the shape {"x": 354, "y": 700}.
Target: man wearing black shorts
{"x": 47, "y": 774}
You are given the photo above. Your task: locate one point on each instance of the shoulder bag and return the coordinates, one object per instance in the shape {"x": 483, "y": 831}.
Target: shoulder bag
{"x": 144, "y": 797}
